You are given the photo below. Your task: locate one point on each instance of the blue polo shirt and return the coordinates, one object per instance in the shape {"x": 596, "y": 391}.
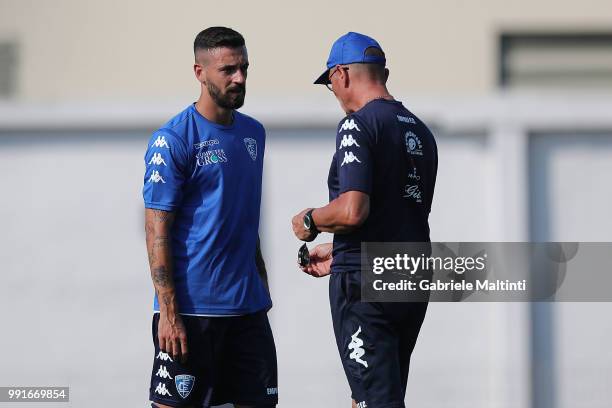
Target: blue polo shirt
{"x": 210, "y": 176}
{"x": 385, "y": 151}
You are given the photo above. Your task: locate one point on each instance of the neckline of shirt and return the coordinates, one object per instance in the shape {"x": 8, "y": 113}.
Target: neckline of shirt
{"x": 213, "y": 124}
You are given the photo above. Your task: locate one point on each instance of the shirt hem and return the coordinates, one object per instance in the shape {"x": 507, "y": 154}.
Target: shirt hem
{"x": 220, "y": 312}
{"x": 158, "y": 206}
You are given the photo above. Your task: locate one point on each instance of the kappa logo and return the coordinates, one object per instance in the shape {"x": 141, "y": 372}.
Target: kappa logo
{"x": 162, "y": 372}
{"x": 160, "y": 142}
{"x": 349, "y": 124}
{"x": 412, "y": 191}
{"x": 184, "y": 384}
{"x": 164, "y": 357}
{"x": 157, "y": 159}
{"x": 162, "y": 390}
{"x": 356, "y": 345}
{"x": 207, "y": 157}
{"x": 406, "y": 119}
{"x": 413, "y": 175}
{"x": 349, "y": 157}
{"x": 348, "y": 141}
{"x": 206, "y": 143}
{"x": 413, "y": 144}
{"x": 251, "y": 146}
{"x": 155, "y": 177}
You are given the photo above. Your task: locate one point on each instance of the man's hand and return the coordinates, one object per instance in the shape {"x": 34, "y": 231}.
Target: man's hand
{"x": 320, "y": 261}
{"x": 298, "y": 227}
{"x": 172, "y": 336}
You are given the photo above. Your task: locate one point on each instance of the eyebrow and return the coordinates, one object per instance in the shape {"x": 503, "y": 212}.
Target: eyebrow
{"x": 225, "y": 67}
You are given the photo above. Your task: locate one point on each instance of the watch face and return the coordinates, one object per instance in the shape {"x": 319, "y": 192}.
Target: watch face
{"x": 307, "y": 222}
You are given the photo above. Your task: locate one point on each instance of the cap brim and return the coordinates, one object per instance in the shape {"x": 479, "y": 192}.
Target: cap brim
{"x": 323, "y": 79}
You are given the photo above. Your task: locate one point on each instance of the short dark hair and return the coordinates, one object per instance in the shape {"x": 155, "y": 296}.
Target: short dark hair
{"x": 214, "y": 37}
{"x": 376, "y": 71}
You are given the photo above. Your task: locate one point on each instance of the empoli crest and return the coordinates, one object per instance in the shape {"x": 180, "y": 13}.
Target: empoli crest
{"x": 251, "y": 146}
{"x": 184, "y": 384}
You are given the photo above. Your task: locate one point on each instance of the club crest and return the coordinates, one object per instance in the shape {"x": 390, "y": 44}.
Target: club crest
{"x": 184, "y": 384}
{"x": 251, "y": 146}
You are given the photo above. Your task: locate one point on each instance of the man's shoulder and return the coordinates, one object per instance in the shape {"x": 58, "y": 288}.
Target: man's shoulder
{"x": 178, "y": 124}
{"x": 176, "y": 129}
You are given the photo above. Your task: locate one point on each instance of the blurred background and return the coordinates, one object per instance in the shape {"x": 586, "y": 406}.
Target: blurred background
{"x": 518, "y": 94}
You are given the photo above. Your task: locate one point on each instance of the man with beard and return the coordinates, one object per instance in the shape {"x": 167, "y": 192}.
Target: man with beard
{"x": 202, "y": 193}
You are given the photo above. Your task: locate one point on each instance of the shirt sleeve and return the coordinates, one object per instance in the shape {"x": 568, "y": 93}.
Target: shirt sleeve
{"x": 354, "y": 156}
{"x": 166, "y": 161}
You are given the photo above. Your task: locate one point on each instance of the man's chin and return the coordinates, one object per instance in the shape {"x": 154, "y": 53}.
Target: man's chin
{"x": 236, "y": 102}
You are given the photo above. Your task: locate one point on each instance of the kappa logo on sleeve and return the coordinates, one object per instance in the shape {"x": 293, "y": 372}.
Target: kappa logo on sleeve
{"x": 156, "y": 178}
{"x": 349, "y": 124}
{"x": 157, "y": 159}
{"x": 349, "y": 157}
{"x": 160, "y": 142}
{"x": 348, "y": 141}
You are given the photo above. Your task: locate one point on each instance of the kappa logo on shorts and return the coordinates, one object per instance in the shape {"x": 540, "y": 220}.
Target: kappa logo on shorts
{"x": 251, "y": 146}
{"x": 162, "y": 390}
{"x": 164, "y": 356}
{"x": 356, "y": 345}
{"x": 162, "y": 372}
{"x": 184, "y": 384}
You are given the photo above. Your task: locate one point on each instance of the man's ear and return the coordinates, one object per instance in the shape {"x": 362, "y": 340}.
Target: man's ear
{"x": 200, "y": 72}
{"x": 344, "y": 76}
{"x": 386, "y": 74}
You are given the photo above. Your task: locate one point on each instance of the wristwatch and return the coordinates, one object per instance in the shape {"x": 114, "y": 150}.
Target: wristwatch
{"x": 309, "y": 223}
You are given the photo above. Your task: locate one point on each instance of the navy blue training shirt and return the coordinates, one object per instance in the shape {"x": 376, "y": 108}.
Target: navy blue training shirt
{"x": 385, "y": 151}
{"x": 210, "y": 176}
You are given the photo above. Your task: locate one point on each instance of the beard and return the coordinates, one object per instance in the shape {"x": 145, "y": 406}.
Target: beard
{"x": 233, "y": 98}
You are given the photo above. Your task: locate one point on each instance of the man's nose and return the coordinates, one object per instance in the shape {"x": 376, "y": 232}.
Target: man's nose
{"x": 239, "y": 77}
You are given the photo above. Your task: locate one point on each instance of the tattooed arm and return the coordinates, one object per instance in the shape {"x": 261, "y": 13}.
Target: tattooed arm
{"x": 261, "y": 265}
{"x": 171, "y": 331}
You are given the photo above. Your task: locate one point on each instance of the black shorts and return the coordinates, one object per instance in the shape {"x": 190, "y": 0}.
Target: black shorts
{"x": 375, "y": 341}
{"x": 231, "y": 360}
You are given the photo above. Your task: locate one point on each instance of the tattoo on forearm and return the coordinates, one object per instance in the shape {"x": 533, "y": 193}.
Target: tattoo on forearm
{"x": 166, "y": 300}
{"x": 152, "y": 257}
{"x": 162, "y": 216}
{"x": 161, "y": 276}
